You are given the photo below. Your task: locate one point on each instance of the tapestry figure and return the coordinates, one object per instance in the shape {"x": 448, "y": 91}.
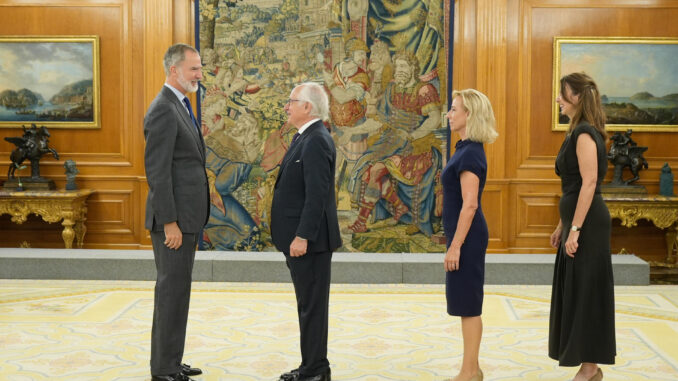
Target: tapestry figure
{"x": 347, "y": 85}
{"x": 231, "y": 154}
{"x": 395, "y": 177}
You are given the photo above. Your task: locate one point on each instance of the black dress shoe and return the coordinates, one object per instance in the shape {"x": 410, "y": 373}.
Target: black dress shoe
{"x": 187, "y": 370}
{"x": 172, "y": 377}
{"x": 292, "y": 375}
{"x": 327, "y": 376}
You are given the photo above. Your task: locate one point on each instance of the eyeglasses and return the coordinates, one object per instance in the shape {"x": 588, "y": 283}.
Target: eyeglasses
{"x": 289, "y": 101}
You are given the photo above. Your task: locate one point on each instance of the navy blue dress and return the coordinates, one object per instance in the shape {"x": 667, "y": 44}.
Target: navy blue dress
{"x": 464, "y": 287}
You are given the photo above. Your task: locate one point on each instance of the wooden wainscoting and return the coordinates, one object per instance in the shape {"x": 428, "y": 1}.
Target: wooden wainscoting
{"x": 504, "y": 48}
{"x": 501, "y": 47}
{"x": 133, "y": 37}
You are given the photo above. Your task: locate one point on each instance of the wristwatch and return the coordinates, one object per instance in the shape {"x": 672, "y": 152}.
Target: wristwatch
{"x": 575, "y": 228}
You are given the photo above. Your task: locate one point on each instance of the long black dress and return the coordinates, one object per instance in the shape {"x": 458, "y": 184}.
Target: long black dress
{"x": 582, "y": 301}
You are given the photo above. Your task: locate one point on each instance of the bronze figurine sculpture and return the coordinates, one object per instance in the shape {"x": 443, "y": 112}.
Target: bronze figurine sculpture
{"x": 32, "y": 145}
{"x": 666, "y": 181}
{"x": 71, "y": 171}
{"x": 624, "y": 152}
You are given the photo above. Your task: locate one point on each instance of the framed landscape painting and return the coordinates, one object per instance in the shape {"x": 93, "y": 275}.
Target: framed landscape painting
{"x": 637, "y": 79}
{"x": 49, "y": 80}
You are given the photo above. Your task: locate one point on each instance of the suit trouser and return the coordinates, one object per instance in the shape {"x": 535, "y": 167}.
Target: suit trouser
{"x": 311, "y": 278}
{"x": 172, "y": 297}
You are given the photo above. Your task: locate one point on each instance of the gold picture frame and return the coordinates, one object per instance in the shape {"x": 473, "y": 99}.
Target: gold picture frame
{"x": 635, "y": 77}
{"x": 52, "y": 81}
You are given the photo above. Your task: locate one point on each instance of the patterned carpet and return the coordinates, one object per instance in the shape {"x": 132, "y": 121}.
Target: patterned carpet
{"x": 100, "y": 330}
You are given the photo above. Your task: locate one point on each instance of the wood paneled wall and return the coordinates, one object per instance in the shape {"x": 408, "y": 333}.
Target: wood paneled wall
{"x": 502, "y": 47}
{"x": 133, "y": 38}
{"x": 505, "y": 49}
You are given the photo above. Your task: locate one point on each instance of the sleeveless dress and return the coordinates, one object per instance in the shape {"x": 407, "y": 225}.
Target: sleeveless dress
{"x": 582, "y": 327}
{"x": 464, "y": 287}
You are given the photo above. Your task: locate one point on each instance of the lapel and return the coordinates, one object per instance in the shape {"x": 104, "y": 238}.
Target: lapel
{"x": 292, "y": 150}
{"x": 187, "y": 122}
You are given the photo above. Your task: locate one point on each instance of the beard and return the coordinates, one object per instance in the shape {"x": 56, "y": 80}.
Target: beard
{"x": 401, "y": 78}
{"x": 187, "y": 85}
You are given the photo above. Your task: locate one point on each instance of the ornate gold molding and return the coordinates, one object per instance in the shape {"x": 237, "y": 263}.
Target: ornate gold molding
{"x": 69, "y": 207}
{"x": 662, "y": 211}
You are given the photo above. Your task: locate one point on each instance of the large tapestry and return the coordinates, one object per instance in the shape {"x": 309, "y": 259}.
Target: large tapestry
{"x": 383, "y": 65}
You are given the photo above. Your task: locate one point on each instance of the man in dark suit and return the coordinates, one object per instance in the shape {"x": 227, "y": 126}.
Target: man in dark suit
{"x": 304, "y": 224}
{"x": 177, "y": 207}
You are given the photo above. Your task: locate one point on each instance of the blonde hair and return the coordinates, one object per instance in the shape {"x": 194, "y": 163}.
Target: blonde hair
{"x": 480, "y": 123}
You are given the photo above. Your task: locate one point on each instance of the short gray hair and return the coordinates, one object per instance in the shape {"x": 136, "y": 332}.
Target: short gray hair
{"x": 316, "y": 96}
{"x": 175, "y": 55}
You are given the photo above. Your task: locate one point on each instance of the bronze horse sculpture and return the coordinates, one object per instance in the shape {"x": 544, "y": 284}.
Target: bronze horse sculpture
{"x": 32, "y": 145}
{"x": 624, "y": 152}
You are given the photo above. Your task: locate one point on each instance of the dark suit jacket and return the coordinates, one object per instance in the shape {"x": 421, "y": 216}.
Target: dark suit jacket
{"x": 175, "y": 167}
{"x": 304, "y": 204}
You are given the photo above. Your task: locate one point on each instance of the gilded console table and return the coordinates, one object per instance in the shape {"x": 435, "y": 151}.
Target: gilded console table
{"x": 69, "y": 207}
{"x": 661, "y": 210}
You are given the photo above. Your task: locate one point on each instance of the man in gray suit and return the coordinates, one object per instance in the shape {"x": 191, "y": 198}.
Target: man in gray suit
{"x": 177, "y": 207}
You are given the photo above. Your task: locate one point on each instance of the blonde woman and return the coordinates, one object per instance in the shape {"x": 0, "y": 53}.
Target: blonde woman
{"x": 471, "y": 117}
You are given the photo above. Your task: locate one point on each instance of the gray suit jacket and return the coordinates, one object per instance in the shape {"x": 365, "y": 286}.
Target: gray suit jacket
{"x": 175, "y": 167}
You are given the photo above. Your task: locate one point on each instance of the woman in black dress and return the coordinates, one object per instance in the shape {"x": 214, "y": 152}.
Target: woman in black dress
{"x": 581, "y": 329}
{"x": 463, "y": 179}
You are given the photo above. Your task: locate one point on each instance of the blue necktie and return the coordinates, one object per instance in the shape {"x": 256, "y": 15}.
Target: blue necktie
{"x": 190, "y": 112}
{"x": 294, "y": 138}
